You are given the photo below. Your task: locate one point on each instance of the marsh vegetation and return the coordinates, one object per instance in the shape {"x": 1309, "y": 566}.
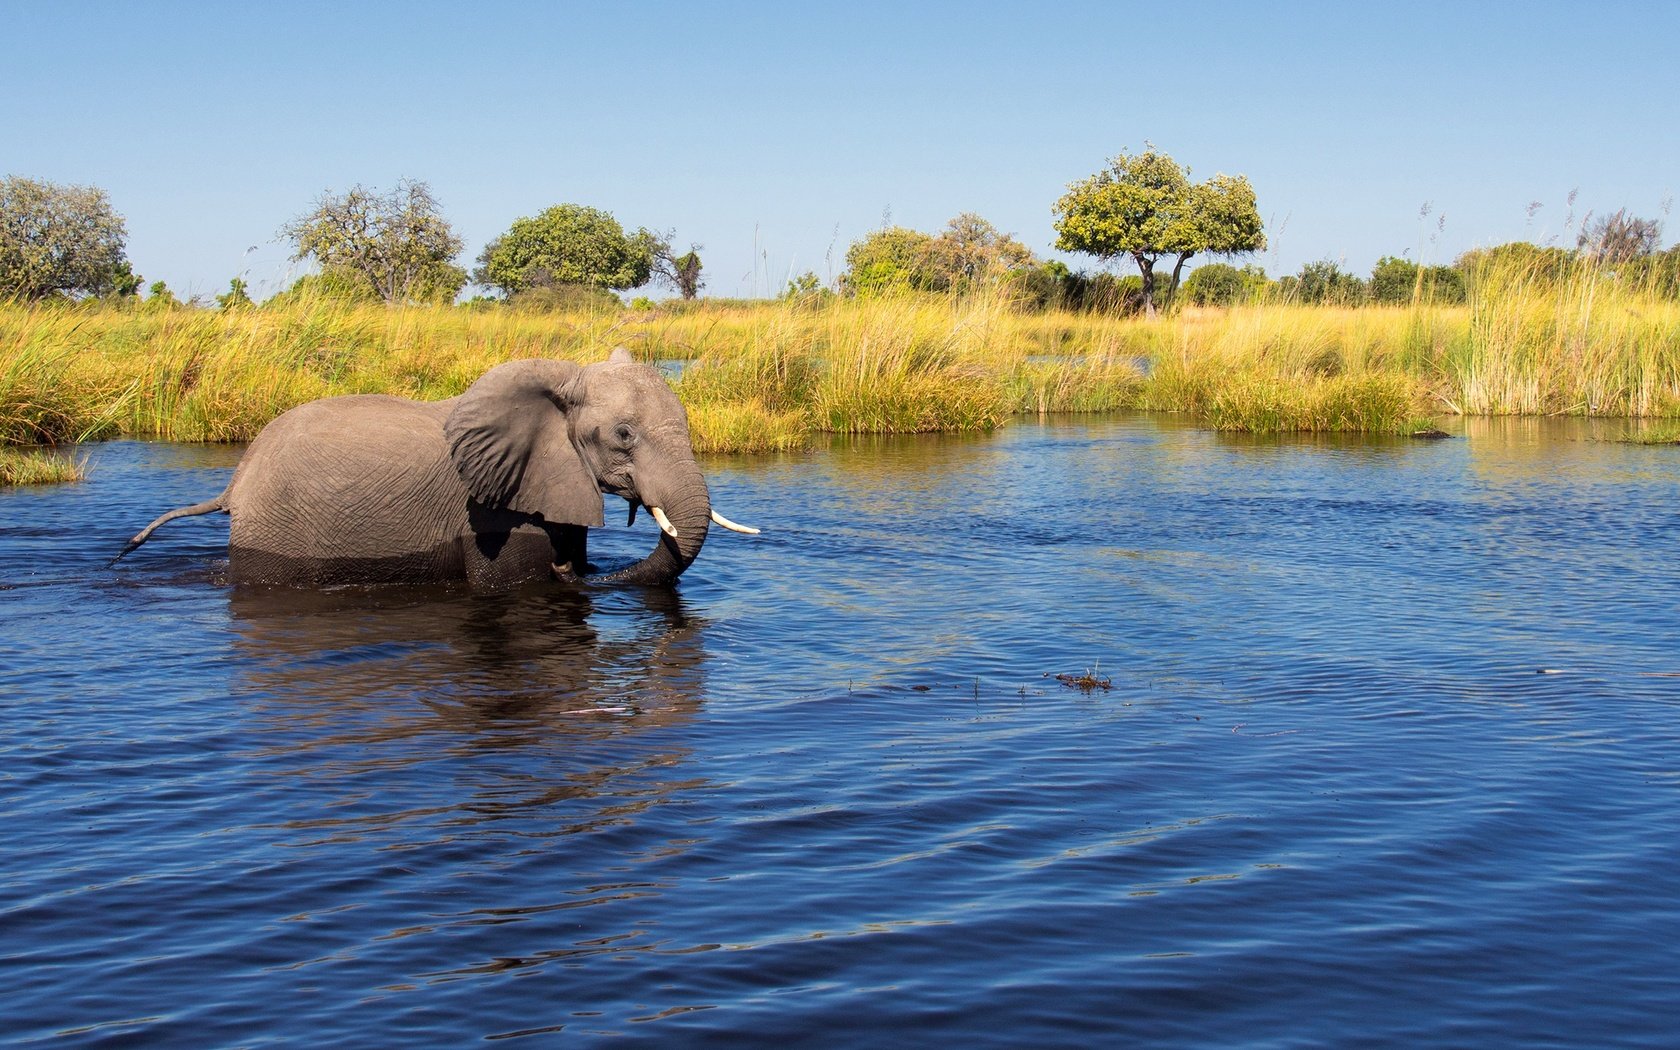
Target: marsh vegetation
{"x": 766, "y": 377}
{"x": 956, "y": 331}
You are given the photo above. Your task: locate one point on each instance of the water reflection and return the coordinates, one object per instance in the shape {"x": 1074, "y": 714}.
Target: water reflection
{"x": 351, "y": 681}
{"x": 496, "y": 657}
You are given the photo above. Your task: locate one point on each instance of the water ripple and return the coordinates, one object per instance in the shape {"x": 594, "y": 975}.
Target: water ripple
{"x": 1384, "y": 756}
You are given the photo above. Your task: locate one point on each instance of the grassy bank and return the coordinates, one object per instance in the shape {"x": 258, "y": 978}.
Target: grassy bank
{"x": 767, "y": 376}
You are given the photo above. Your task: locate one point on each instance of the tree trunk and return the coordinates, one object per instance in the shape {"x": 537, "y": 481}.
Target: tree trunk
{"x": 1178, "y": 267}
{"x": 1147, "y": 266}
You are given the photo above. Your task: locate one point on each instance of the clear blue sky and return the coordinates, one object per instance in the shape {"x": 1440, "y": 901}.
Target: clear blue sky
{"x": 776, "y": 134}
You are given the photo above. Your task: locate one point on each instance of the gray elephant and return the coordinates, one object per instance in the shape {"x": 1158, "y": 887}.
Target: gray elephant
{"x": 498, "y": 486}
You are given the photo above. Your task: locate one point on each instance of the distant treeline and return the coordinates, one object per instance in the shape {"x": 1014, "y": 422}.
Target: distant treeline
{"x": 66, "y": 243}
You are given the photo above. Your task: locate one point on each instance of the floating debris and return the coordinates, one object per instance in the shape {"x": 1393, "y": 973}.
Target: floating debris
{"x": 1087, "y": 682}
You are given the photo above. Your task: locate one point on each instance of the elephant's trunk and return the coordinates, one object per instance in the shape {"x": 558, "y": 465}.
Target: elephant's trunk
{"x": 687, "y": 506}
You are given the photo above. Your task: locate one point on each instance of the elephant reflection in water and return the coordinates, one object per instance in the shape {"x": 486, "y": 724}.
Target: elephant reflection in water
{"x": 349, "y": 681}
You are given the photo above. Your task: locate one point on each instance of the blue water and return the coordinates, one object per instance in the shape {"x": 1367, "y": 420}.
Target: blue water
{"x": 1390, "y": 756}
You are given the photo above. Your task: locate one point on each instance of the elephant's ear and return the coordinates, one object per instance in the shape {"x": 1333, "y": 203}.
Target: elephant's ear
{"x": 509, "y": 439}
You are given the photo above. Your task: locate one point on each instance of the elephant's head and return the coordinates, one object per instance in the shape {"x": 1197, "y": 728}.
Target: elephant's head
{"x": 546, "y": 438}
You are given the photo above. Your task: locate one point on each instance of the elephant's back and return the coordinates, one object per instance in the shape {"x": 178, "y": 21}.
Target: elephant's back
{"x": 364, "y": 476}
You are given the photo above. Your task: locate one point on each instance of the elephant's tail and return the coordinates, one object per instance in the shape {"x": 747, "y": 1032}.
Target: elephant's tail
{"x": 209, "y": 506}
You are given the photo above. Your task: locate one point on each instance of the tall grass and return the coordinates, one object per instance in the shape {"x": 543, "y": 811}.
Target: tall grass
{"x": 766, "y": 376}
{"x": 36, "y": 466}
{"x": 1584, "y": 341}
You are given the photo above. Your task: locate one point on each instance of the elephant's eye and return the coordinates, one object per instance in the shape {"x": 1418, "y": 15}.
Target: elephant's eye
{"x": 626, "y": 436}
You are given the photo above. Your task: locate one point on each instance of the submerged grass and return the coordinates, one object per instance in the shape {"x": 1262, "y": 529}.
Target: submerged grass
{"x": 765, "y": 377}
{"x": 1667, "y": 434}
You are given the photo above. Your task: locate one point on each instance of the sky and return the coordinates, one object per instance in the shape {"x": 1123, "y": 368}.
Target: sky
{"x": 774, "y": 135}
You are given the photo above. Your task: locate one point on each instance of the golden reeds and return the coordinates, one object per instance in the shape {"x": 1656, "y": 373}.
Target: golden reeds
{"x": 767, "y": 376}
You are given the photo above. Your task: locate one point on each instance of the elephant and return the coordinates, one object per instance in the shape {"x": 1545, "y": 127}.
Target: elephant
{"x": 497, "y": 487}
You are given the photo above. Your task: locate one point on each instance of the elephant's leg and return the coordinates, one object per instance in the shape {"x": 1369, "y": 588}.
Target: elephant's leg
{"x": 571, "y": 548}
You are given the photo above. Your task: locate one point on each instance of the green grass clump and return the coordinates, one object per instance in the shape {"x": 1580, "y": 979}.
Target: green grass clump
{"x": 1374, "y": 403}
{"x": 747, "y": 427}
{"x": 1098, "y": 383}
{"x": 35, "y": 466}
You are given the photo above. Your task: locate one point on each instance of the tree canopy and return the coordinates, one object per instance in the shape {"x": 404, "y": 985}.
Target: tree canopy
{"x": 1221, "y": 284}
{"x": 970, "y": 251}
{"x": 397, "y": 244}
{"x": 568, "y": 244}
{"x": 1395, "y": 280}
{"x": 1145, "y": 207}
{"x": 60, "y": 240}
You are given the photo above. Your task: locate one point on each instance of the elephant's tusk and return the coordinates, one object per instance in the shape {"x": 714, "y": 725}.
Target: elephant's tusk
{"x": 664, "y": 522}
{"x": 732, "y": 527}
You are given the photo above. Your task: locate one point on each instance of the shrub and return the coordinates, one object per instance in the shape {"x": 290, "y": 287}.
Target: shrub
{"x": 568, "y": 244}
{"x": 1326, "y": 283}
{"x": 1221, "y": 284}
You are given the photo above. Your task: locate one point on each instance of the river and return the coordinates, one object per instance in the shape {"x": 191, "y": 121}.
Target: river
{"x": 1378, "y": 744}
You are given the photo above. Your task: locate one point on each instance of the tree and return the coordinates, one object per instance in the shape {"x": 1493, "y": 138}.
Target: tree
{"x": 678, "y": 272}
{"x": 125, "y": 283}
{"x": 1619, "y": 237}
{"x": 159, "y": 297}
{"x": 59, "y": 240}
{"x": 969, "y": 252}
{"x": 397, "y": 243}
{"x": 892, "y": 258}
{"x": 1394, "y": 280}
{"x": 238, "y": 295}
{"x": 1397, "y": 280}
{"x": 1221, "y": 284}
{"x": 686, "y": 269}
{"x": 567, "y": 244}
{"x": 1324, "y": 282}
{"x": 1145, "y": 207}
{"x": 806, "y": 290}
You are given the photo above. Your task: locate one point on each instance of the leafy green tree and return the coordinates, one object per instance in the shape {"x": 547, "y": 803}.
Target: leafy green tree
{"x": 236, "y": 297}
{"x": 806, "y": 290}
{"x": 398, "y": 243}
{"x": 159, "y": 297}
{"x": 1325, "y": 283}
{"x": 125, "y": 283}
{"x": 59, "y": 240}
{"x": 1145, "y": 207}
{"x": 567, "y": 244}
{"x": 893, "y": 258}
{"x": 1396, "y": 280}
{"x": 1221, "y": 284}
{"x": 968, "y": 253}
{"x": 1445, "y": 285}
